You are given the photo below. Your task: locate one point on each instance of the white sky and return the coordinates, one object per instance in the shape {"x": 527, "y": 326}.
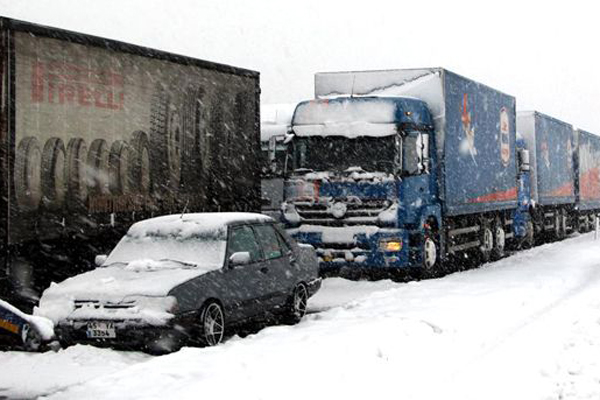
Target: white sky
{"x": 544, "y": 53}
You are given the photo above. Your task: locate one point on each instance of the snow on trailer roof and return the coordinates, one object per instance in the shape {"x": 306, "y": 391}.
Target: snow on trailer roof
{"x": 193, "y": 224}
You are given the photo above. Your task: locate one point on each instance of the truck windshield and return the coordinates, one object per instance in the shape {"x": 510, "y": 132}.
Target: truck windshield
{"x": 338, "y": 153}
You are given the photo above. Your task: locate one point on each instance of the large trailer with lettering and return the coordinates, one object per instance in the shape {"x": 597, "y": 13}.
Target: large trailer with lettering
{"x": 96, "y": 134}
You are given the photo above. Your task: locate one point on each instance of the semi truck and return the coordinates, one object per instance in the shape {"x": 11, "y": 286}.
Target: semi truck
{"x": 96, "y": 134}
{"x": 404, "y": 170}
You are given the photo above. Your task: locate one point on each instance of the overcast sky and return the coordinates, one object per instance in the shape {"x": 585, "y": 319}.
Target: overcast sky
{"x": 545, "y": 53}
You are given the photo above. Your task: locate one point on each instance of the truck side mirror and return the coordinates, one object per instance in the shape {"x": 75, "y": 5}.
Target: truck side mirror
{"x": 272, "y": 151}
{"x": 524, "y": 160}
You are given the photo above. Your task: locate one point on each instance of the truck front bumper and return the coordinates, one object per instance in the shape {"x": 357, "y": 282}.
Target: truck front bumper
{"x": 361, "y": 248}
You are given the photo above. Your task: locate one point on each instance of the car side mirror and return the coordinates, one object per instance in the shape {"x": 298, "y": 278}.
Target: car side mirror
{"x": 239, "y": 258}
{"x": 100, "y": 259}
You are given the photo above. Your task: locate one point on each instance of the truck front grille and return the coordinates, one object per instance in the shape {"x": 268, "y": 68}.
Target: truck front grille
{"x": 364, "y": 213}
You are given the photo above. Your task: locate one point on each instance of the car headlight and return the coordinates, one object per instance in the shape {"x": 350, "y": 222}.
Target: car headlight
{"x": 390, "y": 245}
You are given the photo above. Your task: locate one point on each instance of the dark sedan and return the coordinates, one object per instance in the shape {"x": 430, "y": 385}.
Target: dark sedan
{"x": 183, "y": 279}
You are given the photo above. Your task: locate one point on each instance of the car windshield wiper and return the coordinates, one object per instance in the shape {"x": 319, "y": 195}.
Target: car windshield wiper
{"x": 184, "y": 263}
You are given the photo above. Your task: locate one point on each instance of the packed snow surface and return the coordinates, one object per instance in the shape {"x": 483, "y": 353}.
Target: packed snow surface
{"x": 526, "y": 327}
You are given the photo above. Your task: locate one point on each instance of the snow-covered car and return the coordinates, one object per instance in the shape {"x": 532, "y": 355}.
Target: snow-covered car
{"x": 19, "y": 330}
{"x": 180, "y": 279}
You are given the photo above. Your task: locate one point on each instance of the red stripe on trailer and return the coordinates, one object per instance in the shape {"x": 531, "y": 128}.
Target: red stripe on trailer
{"x": 510, "y": 194}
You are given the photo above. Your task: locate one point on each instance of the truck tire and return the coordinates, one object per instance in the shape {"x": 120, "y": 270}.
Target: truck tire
{"x": 54, "y": 178}
{"x": 431, "y": 264}
{"x": 76, "y": 171}
{"x": 486, "y": 242}
{"x": 28, "y": 169}
{"x": 98, "y": 167}
{"x": 499, "y": 239}
{"x": 139, "y": 164}
{"x": 529, "y": 239}
{"x": 119, "y": 168}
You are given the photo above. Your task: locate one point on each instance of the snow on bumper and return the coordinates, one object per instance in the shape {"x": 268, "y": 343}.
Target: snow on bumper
{"x": 135, "y": 310}
{"x": 360, "y": 246}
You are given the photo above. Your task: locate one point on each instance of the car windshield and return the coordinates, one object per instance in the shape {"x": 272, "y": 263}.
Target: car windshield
{"x": 201, "y": 251}
{"x": 337, "y": 153}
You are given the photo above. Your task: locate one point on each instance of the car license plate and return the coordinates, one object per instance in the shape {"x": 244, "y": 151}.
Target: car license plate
{"x": 101, "y": 330}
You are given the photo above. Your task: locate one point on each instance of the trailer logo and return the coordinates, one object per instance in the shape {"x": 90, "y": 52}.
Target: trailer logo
{"x": 467, "y": 145}
{"x": 61, "y": 83}
{"x": 504, "y": 137}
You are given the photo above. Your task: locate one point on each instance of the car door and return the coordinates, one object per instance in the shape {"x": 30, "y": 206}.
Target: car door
{"x": 281, "y": 279}
{"x": 244, "y": 286}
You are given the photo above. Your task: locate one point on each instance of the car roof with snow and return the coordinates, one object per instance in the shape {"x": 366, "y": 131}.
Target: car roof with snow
{"x": 194, "y": 224}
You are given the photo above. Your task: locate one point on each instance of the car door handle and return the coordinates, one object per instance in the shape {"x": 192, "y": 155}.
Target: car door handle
{"x": 264, "y": 270}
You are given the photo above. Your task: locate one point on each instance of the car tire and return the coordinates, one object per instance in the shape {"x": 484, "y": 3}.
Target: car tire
{"x": 296, "y": 305}
{"x": 31, "y": 339}
{"x": 212, "y": 324}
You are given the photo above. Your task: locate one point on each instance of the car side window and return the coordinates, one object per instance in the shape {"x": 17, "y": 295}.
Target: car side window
{"x": 283, "y": 243}
{"x": 267, "y": 237}
{"x": 242, "y": 239}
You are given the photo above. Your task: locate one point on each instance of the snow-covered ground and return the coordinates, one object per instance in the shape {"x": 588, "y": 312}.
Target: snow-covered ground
{"x": 526, "y": 327}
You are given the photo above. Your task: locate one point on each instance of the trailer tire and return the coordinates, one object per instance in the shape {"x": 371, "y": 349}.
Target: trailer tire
{"x": 28, "y": 169}
{"x": 54, "y": 178}
{"x": 499, "y": 240}
{"x": 560, "y": 224}
{"x": 486, "y": 242}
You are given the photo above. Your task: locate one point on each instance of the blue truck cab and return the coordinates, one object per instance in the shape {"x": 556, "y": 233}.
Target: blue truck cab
{"x": 361, "y": 184}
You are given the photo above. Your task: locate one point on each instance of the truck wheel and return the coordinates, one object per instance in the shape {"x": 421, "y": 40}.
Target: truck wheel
{"x": 431, "y": 266}
{"x": 296, "y": 305}
{"x": 212, "y": 324}
{"x": 76, "y": 170}
{"x": 28, "y": 170}
{"x": 119, "y": 168}
{"x": 98, "y": 167}
{"x": 529, "y": 239}
{"x": 53, "y": 173}
{"x": 499, "y": 240}
{"x": 486, "y": 245}
{"x": 140, "y": 163}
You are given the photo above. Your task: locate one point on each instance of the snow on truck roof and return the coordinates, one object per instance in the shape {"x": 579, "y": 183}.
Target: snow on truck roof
{"x": 193, "y": 224}
{"x": 358, "y": 116}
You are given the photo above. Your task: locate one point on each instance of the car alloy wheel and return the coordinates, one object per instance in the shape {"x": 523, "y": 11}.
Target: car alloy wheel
{"x": 297, "y": 307}
{"x": 212, "y": 324}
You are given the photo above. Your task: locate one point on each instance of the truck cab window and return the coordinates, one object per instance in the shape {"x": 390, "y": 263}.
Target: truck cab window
{"x": 413, "y": 153}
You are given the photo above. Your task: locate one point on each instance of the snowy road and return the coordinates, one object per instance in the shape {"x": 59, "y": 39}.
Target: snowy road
{"x": 526, "y": 327}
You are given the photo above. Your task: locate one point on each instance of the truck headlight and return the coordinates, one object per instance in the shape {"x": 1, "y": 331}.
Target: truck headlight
{"x": 390, "y": 245}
